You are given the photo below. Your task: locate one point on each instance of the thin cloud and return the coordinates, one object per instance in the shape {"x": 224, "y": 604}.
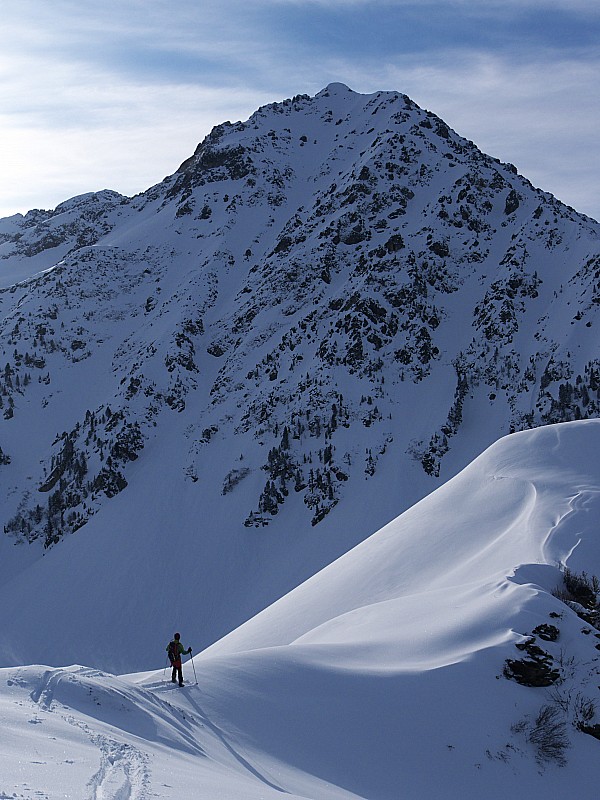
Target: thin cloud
{"x": 476, "y": 6}
{"x": 117, "y": 94}
{"x": 57, "y": 152}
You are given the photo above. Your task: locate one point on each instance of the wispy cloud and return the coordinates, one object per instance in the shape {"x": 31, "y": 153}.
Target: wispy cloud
{"x": 112, "y": 142}
{"x": 117, "y": 94}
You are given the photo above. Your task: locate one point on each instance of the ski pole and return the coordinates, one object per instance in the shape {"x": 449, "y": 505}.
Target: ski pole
{"x": 165, "y": 670}
{"x": 194, "y": 668}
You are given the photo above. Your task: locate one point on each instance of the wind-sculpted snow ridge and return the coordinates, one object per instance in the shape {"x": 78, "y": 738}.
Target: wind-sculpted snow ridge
{"x": 322, "y": 315}
{"x": 527, "y": 506}
{"x": 394, "y": 658}
{"x": 387, "y": 669}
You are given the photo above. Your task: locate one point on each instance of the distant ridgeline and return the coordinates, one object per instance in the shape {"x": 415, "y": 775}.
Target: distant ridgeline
{"x": 341, "y": 286}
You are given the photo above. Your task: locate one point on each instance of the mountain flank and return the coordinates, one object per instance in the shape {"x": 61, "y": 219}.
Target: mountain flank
{"x": 213, "y": 389}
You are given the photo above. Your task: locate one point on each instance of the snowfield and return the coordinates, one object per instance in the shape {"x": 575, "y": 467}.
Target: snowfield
{"x": 381, "y": 677}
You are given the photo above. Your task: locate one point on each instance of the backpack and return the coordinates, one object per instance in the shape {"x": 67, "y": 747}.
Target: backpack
{"x": 173, "y": 651}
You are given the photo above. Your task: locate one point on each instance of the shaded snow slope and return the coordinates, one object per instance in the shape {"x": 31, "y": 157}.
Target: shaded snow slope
{"x": 380, "y": 677}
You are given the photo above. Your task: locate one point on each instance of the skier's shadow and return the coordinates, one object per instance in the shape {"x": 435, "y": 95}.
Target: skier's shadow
{"x": 238, "y": 757}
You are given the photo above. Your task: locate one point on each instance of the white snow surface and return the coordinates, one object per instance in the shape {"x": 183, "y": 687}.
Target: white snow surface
{"x": 381, "y": 677}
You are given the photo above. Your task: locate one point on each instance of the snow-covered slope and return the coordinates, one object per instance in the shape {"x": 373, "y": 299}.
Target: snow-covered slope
{"x": 38, "y": 240}
{"x": 521, "y": 510}
{"x": 383, "y": 676}
{"x": 212, "y": 390}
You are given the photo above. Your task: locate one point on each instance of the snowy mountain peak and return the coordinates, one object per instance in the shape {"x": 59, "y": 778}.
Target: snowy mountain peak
{"x": 335, "y": 89}
{"x": 326, "y": 312}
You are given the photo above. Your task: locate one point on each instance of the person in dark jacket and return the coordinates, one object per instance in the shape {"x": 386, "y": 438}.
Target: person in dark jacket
{"x": 175, "y": 650}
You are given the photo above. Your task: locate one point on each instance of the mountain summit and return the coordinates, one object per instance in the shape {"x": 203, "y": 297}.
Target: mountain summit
{"x": 213, "y": 389}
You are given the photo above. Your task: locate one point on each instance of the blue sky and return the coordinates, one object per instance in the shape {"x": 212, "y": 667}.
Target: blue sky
{"x": 117, "y": 94}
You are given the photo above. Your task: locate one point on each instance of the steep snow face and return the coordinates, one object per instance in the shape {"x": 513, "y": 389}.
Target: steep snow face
{"x": 390, "y": 660}
{"x": 238, "y": 375}
{"x": 394, "y": 657}
{"x": 443, "y": 580}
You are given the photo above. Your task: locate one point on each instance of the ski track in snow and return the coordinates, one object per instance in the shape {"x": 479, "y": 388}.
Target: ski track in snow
{"x": 582, "y": 501}
{"x": 124, "y": 772}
